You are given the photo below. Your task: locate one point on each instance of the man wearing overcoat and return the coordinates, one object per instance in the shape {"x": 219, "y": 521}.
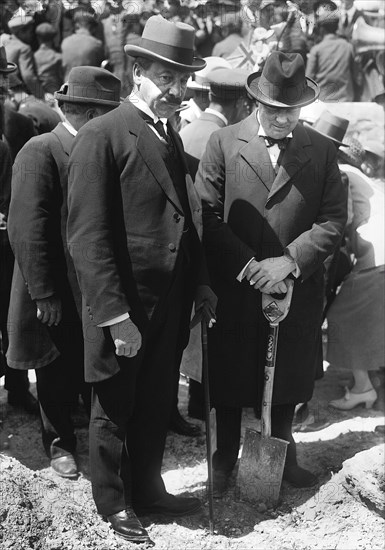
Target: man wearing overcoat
{"x": 134, "y": 230}
{"x": 45, "y": 331}
{"x": 273, "y": 207}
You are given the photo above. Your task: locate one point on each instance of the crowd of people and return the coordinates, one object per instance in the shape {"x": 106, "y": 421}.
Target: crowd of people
{"x": 154, "y": 162}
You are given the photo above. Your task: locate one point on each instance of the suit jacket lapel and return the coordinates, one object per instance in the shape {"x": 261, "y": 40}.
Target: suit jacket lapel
{"x": 137, "y": 126}
{"x": 294, "y": 158}
{"x": 254, "y": 152}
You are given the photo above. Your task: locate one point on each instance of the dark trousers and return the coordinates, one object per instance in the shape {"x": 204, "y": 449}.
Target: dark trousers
{"x": 59, "y": 385}
{"x": 130, "y": 411}
{"x": 229, "y": 434}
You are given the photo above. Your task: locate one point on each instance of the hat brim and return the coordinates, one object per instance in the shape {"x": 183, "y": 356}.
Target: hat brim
{"x": 341, "y": 143}
{"x": 194, "y": 86}
{"x": 11, "y": 68}
{"x": 77, "y": 99}
{"x": 310, "y": 95}
{"x": 138, "y": 51}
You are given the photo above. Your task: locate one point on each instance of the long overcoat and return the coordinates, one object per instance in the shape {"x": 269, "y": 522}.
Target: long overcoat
{"x": 249, "y": 211}
{"x": 125, "y": 225}
{"x": 43, "y": 267}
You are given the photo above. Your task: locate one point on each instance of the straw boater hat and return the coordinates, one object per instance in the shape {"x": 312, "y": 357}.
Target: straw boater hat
{"x": 331, "y": 126}
{"x": 90, "y": 85}
{"x": 199, "y": 80}
{"x": 6, "y": 67}
{"x": 282, "y": 82}
{"x": 167, "y": 42}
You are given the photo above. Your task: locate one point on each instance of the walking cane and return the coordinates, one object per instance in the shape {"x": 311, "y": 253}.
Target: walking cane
{"x": 208, "y": 421}
{"x": 207, "y": 319}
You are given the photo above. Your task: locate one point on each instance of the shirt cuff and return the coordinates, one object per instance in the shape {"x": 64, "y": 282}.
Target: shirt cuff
{"x": 115, "y": 320}
{"x": 242, "y": 273}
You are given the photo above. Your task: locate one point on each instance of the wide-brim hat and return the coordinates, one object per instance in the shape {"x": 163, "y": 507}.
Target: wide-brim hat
{"x": 6, "y": 66}
{"x": 331, "y": 126}
{"x": 260, "y": 33}
{"x": 88, "y": 84}
{"x": 199, "y": 80}
{"x": 167, "y": 42}
{"x": 282, "y": 82}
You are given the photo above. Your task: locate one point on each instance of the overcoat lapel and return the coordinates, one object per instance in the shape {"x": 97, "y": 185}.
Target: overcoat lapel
{"x": 151, "y": 156}
{"x": 254, "y": 152}
{"x": 294, "y": 158}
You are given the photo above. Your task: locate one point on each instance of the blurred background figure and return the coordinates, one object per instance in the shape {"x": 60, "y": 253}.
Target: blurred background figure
{"x": 356, "y": 317}
{"x": 47, "y": 60}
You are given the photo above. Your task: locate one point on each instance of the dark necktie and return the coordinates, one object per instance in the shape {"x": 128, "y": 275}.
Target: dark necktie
{"x": 282, "y": 143}
{"x": 159, "y": 127}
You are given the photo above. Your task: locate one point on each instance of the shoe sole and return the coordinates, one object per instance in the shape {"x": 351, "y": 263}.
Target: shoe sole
{"x": 134, "y": 539}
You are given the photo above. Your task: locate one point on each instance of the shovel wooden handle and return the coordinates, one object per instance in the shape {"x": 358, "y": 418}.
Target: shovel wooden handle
{"x": 275, "y": 309}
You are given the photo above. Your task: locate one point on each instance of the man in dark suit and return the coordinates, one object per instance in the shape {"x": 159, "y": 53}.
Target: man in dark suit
{"x": 45, "y": 312}
{"x": 82, "y": 47}
{"x": 349, "y": 15}
{"x": 134, "y": 230}
{"x": 273, "y": 207}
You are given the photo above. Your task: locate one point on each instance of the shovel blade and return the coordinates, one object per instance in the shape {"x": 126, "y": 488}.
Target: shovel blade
{"x": 261, "y": 468}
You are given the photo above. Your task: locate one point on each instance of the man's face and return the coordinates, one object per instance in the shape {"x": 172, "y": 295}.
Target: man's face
{"x": 347, "y": 4}
{"x": 278, "y": 122}
{"x": 3, "y": 87}
{"x": 161, "y": 87}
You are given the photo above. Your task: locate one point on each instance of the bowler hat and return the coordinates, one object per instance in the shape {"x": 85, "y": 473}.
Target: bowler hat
{"x": 167, "y": 42}
{"x": 19, "y": 21}
{"x": 228, "y": 84}
{"x": 282, "y": 82}
{"x": 45, "y": 30}
{"x": 332, "y": 126}
{"x": 6, "y": 66}
{"x": 90, "y": 85}
{"x": 200, "y": 81}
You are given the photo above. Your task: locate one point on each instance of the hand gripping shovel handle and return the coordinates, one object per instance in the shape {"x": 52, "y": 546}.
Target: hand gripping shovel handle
{"x": 275, "y": 308}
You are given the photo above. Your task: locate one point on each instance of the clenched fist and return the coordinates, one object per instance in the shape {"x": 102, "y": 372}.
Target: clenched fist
{"x": 126, "y": 337}
{"x": 49, "y": 310}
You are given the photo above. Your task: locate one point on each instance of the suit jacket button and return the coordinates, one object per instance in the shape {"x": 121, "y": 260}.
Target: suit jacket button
{"x": 176, "y": 217}
{"x": 172, "y": 247}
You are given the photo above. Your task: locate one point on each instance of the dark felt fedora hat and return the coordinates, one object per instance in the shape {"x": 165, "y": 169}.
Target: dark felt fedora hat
{"x": 282, "y": 82}
{"x": 6, "y": 66}
{"x": 90, "y": 85}
{"x": 332, "y": 126}
{"x": 167, "y": 42}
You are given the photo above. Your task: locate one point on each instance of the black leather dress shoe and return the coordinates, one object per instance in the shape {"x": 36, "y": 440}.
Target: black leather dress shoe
{"x": 65, "y": 466}
{"x": 220, "y": 483}
{"x": 169, "y": 505}
{"x": 299, "y": 477}
{"x": 24, "y": 400}
{"x": 126, "y": 525}
{"x": 180, "y": 426}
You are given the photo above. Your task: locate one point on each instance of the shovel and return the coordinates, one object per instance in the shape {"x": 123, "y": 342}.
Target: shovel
{"x": 263, "y": 457}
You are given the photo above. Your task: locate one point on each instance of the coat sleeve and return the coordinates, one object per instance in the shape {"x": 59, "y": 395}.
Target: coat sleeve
{"x": 223, "y": 248}
{"x": 311, "y": 248}
{"x": 93, "y": 199}
{"x": 34, "y": 217}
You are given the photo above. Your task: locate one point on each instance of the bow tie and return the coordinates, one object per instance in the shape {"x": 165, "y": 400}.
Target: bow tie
{"x": 282, "y": 143}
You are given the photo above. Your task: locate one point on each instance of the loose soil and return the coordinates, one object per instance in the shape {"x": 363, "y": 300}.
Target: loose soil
{"x": 40, "y": 511}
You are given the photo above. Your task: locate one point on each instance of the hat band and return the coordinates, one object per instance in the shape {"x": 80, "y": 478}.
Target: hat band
{"x": 288, "y": 93}
{"x": 90, "y": 91}
{"x": 331, "y": 130}
{"x": 177, "y": 54}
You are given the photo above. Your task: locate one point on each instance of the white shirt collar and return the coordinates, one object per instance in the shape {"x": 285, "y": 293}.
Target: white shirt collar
{"x": 69, "y": 127}
{"x": 261, "y": 131}
{"x": 142, "y": 105}
{"x": 218, "y": 114}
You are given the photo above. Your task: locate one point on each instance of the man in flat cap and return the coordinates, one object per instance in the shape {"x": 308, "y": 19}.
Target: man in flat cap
{"x": 19, "y": 51}
{"x": 273, "y": 208}
{"x": 134, "y": 229}
{"x": 44, "y": 317}
{"x": 228, "y": 104}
